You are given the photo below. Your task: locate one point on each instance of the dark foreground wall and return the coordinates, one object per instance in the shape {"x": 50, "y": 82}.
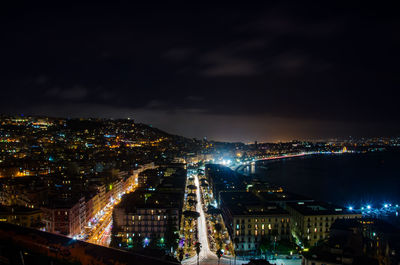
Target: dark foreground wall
{"x": 19, "y": 245}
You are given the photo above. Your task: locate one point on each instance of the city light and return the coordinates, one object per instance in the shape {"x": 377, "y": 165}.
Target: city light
{"x": 275, "y": 138}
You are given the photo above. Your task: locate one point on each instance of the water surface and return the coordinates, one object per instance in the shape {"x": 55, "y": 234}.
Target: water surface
{"x": 346, "y": 179}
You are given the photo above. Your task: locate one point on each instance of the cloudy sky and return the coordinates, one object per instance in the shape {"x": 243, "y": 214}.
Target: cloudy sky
{"x": 228, "y": 72}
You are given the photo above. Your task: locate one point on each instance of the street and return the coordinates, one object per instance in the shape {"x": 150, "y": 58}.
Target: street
{"x": 206, "y": 256}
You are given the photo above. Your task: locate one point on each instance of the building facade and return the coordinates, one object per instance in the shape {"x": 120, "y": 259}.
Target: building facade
{"x": 311, "y": 221}
{"x": 23, "y": 216}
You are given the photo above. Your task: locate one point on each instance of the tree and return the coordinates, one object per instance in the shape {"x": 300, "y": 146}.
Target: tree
{"x": 191, "y": 187}
{"x": 219, "y": 254}
{"x": 213, "y": 211}
{"x": 204, "y": 184}
{"x": 192, "y": 202}
{"x": 197, "y": 245}
{"x": 218, "y": 229}
{"x": 181, "y": 253}
{"x": 191, "y": 214}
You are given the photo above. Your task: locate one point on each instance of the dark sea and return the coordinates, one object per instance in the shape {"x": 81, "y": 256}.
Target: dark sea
{"x": 343, "y": 179}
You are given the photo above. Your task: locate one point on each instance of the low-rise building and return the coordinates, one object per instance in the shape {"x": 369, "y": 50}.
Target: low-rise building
{"x": 311, "y": 221}
{"x": 23, "y": 216}
{"x": 357, "y": 242}
{"x": 249, "y": 220}
{"x": 151, "y": 213}
{"x": 65, "y": 217}
{"x": 146, "y": 215}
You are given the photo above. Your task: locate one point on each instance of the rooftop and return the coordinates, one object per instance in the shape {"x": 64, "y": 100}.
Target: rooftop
{"x": 246, "y": 203}
{"x": 283, "y": 196}
{"x": 141, "y": 199}
{"x": 319, "y": 208}
{"x": 17, "y": 209}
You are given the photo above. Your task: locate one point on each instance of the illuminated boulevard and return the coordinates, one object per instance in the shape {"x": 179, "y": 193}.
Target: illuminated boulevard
{"x": 99, "y": 233}
{"x": 205, "y": 256}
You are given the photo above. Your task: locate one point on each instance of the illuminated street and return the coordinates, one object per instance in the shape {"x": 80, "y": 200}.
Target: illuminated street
{"x": 206, "y": 256}
{"x": 100, "y": 232}
{"x": 99, "y": 235}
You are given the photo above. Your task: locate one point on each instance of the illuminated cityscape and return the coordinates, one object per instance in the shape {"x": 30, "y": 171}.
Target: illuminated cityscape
{"x": 121, "y": 184}
{"x": 169, "y": 133}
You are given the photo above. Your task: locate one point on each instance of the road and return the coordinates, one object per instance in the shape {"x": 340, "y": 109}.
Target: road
{"x": 206, "y": 256}
{"x": 100, "y": 232}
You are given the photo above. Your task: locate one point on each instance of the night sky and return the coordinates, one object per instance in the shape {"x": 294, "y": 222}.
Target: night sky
{"x": 228, "y": 72}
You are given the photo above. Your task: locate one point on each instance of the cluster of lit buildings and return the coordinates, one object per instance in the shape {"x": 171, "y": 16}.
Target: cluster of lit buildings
{"x": 227, "y": 153}
{"x": 69, "y": 170}
{"x": 57, "y": 175}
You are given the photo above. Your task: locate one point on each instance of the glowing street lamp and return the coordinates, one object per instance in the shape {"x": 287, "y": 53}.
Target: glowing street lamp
{"x": 146, "y": 241}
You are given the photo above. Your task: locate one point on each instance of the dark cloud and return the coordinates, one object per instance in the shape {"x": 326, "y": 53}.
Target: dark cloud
{"x": 74, "y": 93}
{"x": 223, "y": 64}
{"x": 179, "y": 54}
{"x": 321, "y": 66}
